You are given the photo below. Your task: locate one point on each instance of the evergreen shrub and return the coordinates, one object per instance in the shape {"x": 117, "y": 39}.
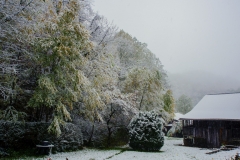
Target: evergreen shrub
{"x": 145, "y": 132}
{"x": 18, "y": 136}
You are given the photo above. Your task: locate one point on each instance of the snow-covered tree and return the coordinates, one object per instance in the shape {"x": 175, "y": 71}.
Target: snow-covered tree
{"x": 175, "y": 130}
{"x": 116, "y": 116}
{"x": 66, "y": 63}
{"x": 169, "y": 105}
{"x": 145, "y": 131}
{"x": 101, "y": 31}
{"x": 146, "y": 85}
{"x": 17, "y": 19}
{"x": 61, "y": 52}
{"x": 133, "y": 53}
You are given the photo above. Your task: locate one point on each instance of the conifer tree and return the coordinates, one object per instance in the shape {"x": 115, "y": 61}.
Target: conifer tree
{"x": 145, "y": 132}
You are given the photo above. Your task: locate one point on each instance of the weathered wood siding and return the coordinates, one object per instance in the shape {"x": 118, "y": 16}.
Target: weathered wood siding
{"x": 211, "y": 134}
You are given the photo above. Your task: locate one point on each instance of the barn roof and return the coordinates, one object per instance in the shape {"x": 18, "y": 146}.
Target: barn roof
{"x": 224, "y": 106}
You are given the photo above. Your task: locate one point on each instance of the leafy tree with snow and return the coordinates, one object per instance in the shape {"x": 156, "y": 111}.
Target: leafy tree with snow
{"x": 71, "y": 61}
{"x": 61, "y": 52}
{"x": 16, "y": 18}
{"x": 146, "y": 85}
{"x": 145, "y": 131}
{"x": 116, "y": 116}
{"x": 169, "y": 105}
{"x": 184, "y": 104}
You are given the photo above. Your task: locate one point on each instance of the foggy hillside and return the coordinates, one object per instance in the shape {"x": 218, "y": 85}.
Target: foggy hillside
{"x": 196, "y": 84}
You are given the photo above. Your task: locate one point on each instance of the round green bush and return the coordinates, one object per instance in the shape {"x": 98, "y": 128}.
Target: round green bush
{"x": 145, "y": 132}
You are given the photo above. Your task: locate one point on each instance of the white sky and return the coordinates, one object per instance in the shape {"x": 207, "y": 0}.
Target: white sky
{"x": 186, "y": 35}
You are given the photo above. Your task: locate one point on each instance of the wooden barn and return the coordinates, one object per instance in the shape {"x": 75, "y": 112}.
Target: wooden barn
{"x": 213, "y": 122}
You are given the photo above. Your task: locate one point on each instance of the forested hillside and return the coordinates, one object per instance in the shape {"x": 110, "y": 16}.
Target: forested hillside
{"x": 196, "y": 84}
{"x": 62, "y": 62}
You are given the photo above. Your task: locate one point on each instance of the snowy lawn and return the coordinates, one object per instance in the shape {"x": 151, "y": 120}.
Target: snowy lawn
{"x": 170, "y": 151}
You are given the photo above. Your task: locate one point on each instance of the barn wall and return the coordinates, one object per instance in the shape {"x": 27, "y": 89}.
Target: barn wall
{"x": 210, "y": 134}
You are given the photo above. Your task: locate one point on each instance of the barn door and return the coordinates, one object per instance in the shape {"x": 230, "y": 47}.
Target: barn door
{"x": 213, "y": 138}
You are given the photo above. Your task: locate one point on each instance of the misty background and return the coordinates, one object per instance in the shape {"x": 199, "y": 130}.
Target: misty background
{"x": 198, "y": 42}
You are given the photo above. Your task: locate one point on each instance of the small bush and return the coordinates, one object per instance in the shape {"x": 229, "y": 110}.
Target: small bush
{"x": 145, "y": 132}
{"x": 176, "y": 130}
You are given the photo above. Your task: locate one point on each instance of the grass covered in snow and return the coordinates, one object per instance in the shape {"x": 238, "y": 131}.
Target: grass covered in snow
{"x": 170, "y": 151}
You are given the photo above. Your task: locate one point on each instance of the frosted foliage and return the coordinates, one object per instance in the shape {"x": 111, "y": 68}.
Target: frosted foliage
{"x": 146, "y": 85}
{"x": 145, "y": 131}
{"x": 176, "y": 128}
{"x": 101, "y": 31}
{"x": 133, "y": 53}
{"x": 16, "y": 23}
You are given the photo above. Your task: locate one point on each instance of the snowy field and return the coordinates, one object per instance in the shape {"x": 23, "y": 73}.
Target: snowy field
{"x": 170, "y": 151}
